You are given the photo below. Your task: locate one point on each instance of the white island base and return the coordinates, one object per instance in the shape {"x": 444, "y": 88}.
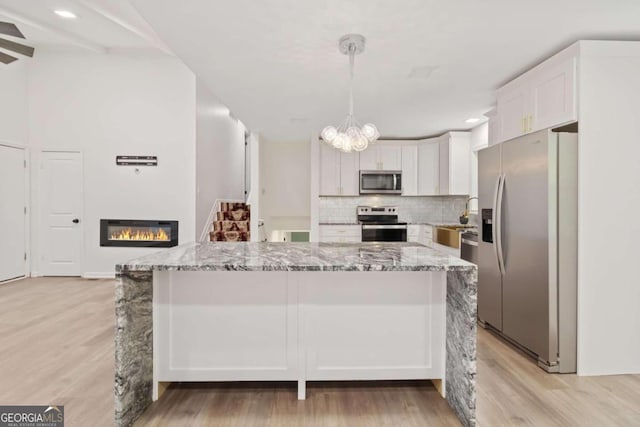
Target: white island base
{"x": 298, "y": 326}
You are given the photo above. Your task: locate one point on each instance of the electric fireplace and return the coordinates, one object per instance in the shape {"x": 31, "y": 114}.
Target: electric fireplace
{"x": 138, "y": 233}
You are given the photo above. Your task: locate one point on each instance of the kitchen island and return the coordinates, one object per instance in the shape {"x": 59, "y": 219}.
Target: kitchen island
{"x": 295, "y": 312}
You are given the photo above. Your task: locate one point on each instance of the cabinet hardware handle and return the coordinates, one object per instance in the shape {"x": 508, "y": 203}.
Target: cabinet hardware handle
{"x": 523, "y": 125}
{"x": 530, "y": 121}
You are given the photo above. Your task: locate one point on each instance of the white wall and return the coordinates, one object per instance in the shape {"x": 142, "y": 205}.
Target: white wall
{"x": 106, "y": 105}
{"x": 13, "y": 103}
{"x": 219, "y": 155}
{"x": 285, "y": 185}
{"x": 609, "y": 178}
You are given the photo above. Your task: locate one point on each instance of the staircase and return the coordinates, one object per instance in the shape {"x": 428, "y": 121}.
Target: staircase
{"x": 232, "y": 223}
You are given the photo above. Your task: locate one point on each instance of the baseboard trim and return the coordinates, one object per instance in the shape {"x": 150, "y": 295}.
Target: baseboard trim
{"x": 98, "y": 275}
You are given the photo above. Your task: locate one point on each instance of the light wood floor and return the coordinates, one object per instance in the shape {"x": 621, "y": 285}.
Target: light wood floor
{"x": 56, "y": 338}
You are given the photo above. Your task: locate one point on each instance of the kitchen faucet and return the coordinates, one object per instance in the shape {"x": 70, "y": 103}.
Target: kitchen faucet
{"x": 464, "y": 218}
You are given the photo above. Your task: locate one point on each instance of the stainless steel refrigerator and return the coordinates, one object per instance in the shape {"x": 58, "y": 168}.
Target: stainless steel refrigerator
{"x": 527, "y": 250}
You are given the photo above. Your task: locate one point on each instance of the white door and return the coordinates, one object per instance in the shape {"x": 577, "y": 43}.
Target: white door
{"x": 12, "y": 213}
{"x": 61, "y": 196}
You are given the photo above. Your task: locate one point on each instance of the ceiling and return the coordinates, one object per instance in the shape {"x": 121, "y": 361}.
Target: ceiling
{"x": 428, "y": 64}
{"x": 101, "y": 25}
{"x": 276, "y": 64}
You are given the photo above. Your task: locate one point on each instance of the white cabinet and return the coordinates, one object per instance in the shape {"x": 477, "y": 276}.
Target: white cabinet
{"x": 513, "y": 105}
{"x": 381, "y": 157}
{"x": 349, "y": 171}
{"x": 420, "y": 233}
{"x": 553, "y": 99}
{"x": 409, "y": 170}
{"x": 338, "y": 172}
{"x": 428, "y": 167}
{"x": 541, "y": 98}
{"x": 341, "y": 233}
{"x": 413, "y": 232}
{"x": 455, "y": 161}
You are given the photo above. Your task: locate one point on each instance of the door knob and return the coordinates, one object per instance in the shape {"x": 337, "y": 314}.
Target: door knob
{"x": 75, "y": 220}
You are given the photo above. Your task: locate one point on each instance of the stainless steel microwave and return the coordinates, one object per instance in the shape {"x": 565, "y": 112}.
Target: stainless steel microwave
{"x": 380, "y": 182}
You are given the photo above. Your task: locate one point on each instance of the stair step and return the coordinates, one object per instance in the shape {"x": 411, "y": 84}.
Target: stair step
{"x": 231, "y": 225}
{"x": 230, "y": 236}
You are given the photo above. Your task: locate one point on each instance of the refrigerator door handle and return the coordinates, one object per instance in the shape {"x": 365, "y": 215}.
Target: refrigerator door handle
{"x": 498, "y": 225}
{"x": 494, "y": 221}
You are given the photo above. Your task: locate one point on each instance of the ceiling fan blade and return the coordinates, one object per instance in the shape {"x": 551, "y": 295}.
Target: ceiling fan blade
{"x": 16, "y": 47}
{"x": 7, "y": 59}
{"x": 10, "y": 29}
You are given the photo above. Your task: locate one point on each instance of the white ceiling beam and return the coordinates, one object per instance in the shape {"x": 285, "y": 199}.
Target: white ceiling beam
{"x": 154, "y": 41}
{"x": 72, "y": 38}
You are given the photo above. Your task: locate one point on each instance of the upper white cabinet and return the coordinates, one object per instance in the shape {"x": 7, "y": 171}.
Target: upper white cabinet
{"x": 338, "y": 172}
{"x": 429, "y": 167}
{"x": 553, "y": 95}
{"x": 541, "y": 98}
{"x": 381, "y": 156}
{"x": 409, "y": 170}
{"x": 455, "y": 161}
{"x": 513, "y": 105}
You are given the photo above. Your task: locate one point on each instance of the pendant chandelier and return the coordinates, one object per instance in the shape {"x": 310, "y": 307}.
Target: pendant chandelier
{"x": 350, "y": 136}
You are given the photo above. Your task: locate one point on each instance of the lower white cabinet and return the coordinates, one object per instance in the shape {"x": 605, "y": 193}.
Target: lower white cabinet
{"x": 420, "y": 233}
{"x": 340, "y": 233}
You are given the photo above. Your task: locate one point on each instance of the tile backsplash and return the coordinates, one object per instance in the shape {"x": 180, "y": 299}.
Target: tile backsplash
{"x": 414, "y": 209}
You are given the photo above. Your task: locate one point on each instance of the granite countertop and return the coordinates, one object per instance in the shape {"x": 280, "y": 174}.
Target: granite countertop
{"x": 245, "y": 256}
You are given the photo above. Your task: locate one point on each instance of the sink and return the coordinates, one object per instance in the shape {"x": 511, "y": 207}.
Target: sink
{"x": 457, "y": 227}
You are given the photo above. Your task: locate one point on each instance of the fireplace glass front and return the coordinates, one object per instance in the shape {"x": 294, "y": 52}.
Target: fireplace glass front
{"x": 138, "y": 233}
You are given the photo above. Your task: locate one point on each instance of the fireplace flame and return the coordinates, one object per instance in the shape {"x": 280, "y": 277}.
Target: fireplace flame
{"x": 158, "y": 234}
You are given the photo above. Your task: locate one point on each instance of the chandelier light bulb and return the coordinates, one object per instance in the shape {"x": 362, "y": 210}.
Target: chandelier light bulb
{"x": 340, "y": 141}
{"x": 350, "y": 136}
{"x": 329, "y": 133}
{"x": 361, "y": 143}
{"x": 370, "y": 132}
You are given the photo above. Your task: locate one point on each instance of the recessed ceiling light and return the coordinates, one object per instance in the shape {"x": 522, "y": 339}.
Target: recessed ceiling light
{"x": 472, "y": 120}
{"x": 65, "y": 14}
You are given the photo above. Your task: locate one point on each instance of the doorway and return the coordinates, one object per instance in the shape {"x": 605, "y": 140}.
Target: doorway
{"x": 61, "y": 196}
{"x": 13, "y": 211}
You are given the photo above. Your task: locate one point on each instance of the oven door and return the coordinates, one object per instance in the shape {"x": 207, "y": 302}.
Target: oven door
{"x": 384, "y": 233}
{"x": 380, "y": 182}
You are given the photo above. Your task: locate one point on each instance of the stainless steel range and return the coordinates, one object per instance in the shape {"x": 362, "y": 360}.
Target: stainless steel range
{"x": 380, "y": 224}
